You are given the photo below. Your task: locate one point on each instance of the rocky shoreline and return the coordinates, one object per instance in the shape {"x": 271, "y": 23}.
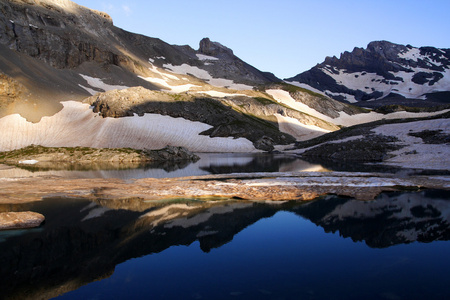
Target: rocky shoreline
{"x": 34, "y": 154}
{"x": 145, "y": 192}
{"x": 277, "y": 186}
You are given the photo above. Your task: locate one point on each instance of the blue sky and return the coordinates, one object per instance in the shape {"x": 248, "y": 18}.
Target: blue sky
{"x": 285, "y": 37}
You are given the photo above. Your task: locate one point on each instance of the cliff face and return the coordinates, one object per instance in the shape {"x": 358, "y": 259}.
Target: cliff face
{"x": 64, "y": 40}
{"x": 66, "y": 35}
{"x": 383, "y": 71}
{"x": 60, "y": 33}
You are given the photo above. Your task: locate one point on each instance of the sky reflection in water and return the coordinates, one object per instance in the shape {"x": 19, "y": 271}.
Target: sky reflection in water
{"x": 281, "y": 257}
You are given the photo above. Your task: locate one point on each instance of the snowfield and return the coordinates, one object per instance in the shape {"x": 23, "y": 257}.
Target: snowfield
{"x": 165, "y": 80}
{"x": 344, "y": 119}
{"x": 77, "y": 125}
{"x": 368, "y": 81}
{"x": 417, "y": 154}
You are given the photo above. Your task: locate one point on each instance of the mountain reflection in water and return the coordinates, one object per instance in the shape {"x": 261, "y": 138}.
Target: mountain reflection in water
{"x": 83, "y": 241}
{"x": 209, "y": 163}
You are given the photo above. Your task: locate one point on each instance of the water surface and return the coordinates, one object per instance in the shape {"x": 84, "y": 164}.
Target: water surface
{"x": 395, "y": 247}
{"x": 209, "y": 163}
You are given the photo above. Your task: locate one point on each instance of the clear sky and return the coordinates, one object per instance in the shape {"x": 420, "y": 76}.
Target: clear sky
{"x": 285, "y": 37}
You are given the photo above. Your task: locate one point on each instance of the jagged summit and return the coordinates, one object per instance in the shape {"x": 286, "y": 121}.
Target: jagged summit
{"x": 213, "y": 48}
{"x": 383, "y": 70}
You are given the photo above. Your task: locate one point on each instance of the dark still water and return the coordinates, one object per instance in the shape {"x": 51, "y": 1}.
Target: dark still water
{"x": 209, "y": 163}
{"x": 395, "y": 247}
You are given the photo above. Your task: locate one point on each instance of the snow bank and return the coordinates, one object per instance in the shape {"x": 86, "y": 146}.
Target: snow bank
{"x": 206, "y": 57}
{"x": 99, "y": 84}
{"x": 77, "y": 125}
{"x": 299, "y": 131}
{"x": 417, "y": 154}
{"x": 165, "y": 80}
{"x": 344, "y": 119}
{"x": 220, "y": 94}
{"x": 306, "y": 86}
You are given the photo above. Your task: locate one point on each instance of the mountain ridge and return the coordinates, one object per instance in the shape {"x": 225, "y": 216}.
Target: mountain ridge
{"x": 382, "y": 70}
{"x": 56, "y": 54}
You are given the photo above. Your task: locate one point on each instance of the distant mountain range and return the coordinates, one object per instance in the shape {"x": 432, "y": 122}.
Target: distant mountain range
{"x": 383, "y": 73}
{"x": 55, "y": 55}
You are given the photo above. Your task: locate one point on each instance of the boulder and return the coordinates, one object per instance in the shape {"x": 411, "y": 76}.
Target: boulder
{"x": 18, "y": 220}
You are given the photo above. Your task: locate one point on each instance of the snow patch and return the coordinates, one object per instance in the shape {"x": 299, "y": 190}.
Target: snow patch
{"x": 299, "y": 131}
{"x": 28, "y": 162}
{"x": 186, "y": 69}
{"x": 306, "y": 86}
{"x": 417, "y": 154}
{"x": 285, "y": 98}
{"x": 151, "y": 131}
{"x": 164, "y": 81}
{"x": 369, "y": 82}
{"x": 98, "y": 83}
{"x": 344, "y": 119}
{"x": 220, "y": 94}
{"x": 89, "y": 90}
{"x": 206, "y": 57}
{"x": 347, "y": 97}
{"x": 412, "y": 54}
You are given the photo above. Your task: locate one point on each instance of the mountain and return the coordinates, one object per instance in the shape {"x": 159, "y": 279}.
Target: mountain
{"x": 392, "y": 219}
{"x": 383, "y": 73}
{"x": 70, "y": 44}
{"x": 66, "y": 70}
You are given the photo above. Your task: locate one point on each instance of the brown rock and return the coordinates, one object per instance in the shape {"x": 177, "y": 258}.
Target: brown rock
{"x": 17, "y": 220}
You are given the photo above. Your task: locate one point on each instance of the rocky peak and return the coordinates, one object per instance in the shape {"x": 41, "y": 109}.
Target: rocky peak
{"x": 382, "y": 71}
{"x": 213, "y": 48}
{"x": 386, "y": 49}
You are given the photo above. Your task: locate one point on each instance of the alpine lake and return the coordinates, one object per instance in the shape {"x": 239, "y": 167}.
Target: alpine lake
{"x": 393, "y": 247}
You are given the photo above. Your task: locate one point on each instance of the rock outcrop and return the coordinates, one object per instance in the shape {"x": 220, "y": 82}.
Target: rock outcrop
{"x": 83, "y": 155}
{"x": 277, "y": 186}
{"x": 228, "y": 118}
{"x": 20, "y": 220}
{"x": 222, "y": 63}
{"x": 10, "y": 90}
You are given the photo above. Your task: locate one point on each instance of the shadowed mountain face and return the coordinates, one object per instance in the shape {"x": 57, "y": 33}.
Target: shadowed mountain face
{"x": 46, "y": 45}
{"x": 383, "y": 71}
{"x": 83, "y": 241}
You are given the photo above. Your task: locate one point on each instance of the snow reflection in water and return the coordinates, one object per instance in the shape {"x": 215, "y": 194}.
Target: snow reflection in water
{"x": 333, "y": 247}
{"x": 210, "y": 163}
